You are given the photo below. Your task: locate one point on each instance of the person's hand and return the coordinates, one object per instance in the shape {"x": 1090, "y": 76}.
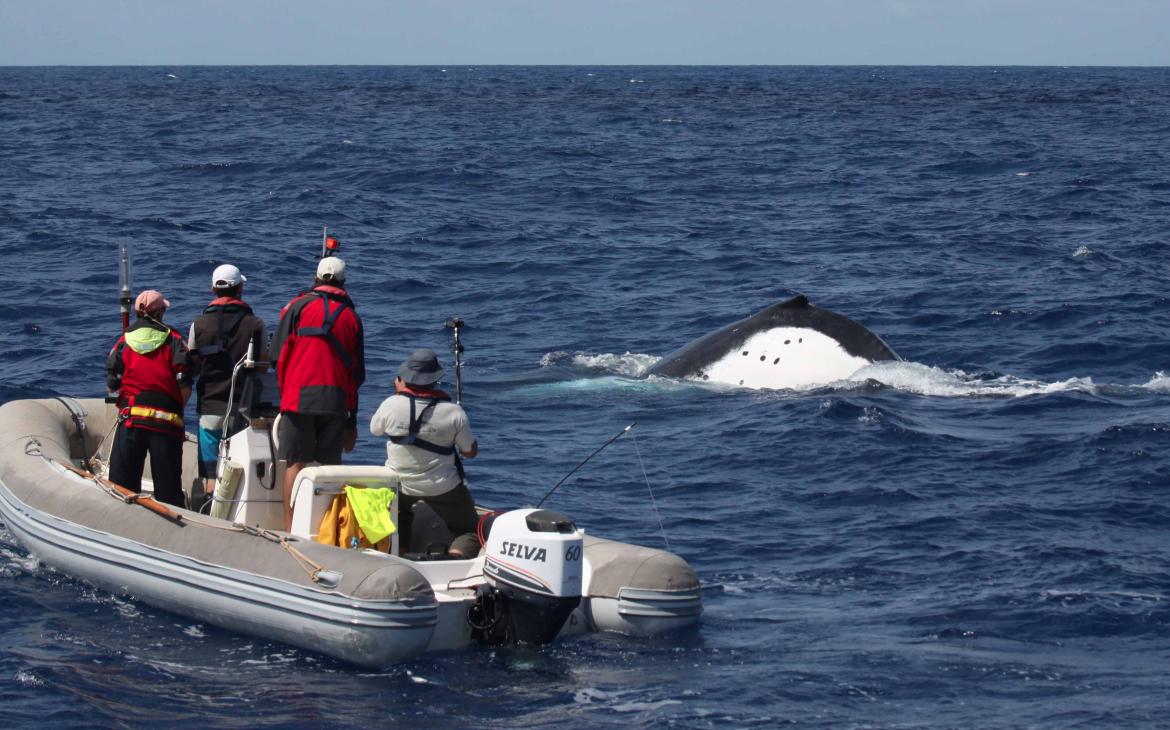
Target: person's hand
{"x": 350, "y": 439}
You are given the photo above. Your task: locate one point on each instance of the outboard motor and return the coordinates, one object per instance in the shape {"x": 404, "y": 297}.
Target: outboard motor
{"x": 533, "y": 571}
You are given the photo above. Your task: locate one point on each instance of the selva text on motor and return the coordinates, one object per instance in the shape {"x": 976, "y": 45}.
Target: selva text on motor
{"x": 524, "y": 552}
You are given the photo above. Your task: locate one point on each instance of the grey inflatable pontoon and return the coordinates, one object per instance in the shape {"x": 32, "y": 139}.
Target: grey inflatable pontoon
{"x": 363, "y": 607}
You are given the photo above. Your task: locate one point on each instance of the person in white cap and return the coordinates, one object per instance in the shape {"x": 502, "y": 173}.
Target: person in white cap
{"x": 218, "y": 339}
{"x": 319, "y": 347}
{"x": 147, "y": 376}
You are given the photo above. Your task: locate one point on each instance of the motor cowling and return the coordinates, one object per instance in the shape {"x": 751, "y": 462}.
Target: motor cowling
{"x": 533, "y": 572}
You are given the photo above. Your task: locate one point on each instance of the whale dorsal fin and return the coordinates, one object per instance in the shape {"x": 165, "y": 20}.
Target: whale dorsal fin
{"x": 799, "y": 301}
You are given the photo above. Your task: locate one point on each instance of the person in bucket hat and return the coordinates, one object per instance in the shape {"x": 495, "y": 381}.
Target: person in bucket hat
{"x": 426, "y": 435}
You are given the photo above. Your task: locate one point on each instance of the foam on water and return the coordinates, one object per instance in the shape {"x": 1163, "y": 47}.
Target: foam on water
{"x": 628, "y": 364}
{"x": 1160, "y": 383}
{"x": 921, "y": 379}
{"x": 611, "y": 370}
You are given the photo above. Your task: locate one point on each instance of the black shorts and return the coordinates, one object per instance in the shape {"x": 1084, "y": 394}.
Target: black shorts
{"x": 306, "y": 437}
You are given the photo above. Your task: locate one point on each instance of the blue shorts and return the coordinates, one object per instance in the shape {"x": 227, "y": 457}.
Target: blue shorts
{"x": 210, "y": 432}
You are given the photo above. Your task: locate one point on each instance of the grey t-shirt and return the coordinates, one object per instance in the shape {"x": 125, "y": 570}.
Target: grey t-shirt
{"x": 423, "y": 473}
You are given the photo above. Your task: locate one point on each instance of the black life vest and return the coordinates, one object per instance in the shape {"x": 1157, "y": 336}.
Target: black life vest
{"x": 228, "y": 318}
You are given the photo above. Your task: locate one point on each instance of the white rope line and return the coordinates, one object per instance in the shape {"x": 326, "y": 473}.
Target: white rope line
{"x": 653, "y": 503}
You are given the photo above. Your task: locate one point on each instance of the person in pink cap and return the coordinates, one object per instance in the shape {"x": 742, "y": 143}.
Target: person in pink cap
{"x": 146, "y": 371}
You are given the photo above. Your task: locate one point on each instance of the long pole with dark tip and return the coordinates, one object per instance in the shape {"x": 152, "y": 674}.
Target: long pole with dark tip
{"x": 621, "y": 433}
{"x": 125, "y": 298}
{"x": 455, "y": 324}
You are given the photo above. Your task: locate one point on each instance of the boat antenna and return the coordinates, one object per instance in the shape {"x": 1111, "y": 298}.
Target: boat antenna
{"x": 330, "y": 245}
{"x": 587, "y": 458}
{"x": 124, "y": 299}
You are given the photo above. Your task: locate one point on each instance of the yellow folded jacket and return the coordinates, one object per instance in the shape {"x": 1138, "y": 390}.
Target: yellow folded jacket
{"x": 359, "y": 513}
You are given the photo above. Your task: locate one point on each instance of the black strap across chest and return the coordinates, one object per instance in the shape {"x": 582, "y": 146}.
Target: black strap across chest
{"x": 328, "y": 319}
{"x": 416, "y": 421}
{"x": 224, "y": 328}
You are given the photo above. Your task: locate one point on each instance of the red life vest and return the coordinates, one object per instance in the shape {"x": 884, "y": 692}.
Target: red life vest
{"x": 149, "y": 395}
{"x": 319, "y": 350}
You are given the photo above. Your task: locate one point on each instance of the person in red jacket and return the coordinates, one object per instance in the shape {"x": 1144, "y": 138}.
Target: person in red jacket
{"x": 319, "y": 346}
{"x": 147, "y": 369}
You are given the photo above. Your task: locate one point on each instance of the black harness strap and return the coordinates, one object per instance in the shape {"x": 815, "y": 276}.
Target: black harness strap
{"x": 222, "y": 332}
{"x": 411, "y": 438}
{"x": 328, "y": 319}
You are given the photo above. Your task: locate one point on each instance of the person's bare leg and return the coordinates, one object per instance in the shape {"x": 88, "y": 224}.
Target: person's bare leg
{"x": 290, "y": 477}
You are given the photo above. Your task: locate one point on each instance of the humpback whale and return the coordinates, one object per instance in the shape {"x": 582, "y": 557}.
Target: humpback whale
{"x": 791, "y": 344}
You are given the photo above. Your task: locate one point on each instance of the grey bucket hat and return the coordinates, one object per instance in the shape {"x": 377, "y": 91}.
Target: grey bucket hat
{"x": 421, "y": 368}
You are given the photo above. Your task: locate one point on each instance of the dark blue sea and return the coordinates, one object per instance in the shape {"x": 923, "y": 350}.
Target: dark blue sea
{"x": 975, "y": 537}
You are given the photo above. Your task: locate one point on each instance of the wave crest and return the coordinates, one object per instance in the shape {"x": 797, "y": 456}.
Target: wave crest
{"x": 913, "y": 377}
{"x": 629, "y": 364}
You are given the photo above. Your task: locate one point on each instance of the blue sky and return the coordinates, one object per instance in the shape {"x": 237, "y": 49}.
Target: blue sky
{"x": 614, "y": 32}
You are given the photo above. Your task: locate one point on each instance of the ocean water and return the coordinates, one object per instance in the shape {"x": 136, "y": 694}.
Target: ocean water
{"x": 975, "y": 537}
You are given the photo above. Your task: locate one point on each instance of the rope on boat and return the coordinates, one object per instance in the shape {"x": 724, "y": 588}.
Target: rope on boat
{"x": 95, "y": 464}
{"x": 317, "y": 573}
{"x": 653, "y": 503}
{"x": 120, "y": 493}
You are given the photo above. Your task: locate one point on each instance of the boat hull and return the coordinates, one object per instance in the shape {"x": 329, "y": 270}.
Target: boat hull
{"x": 382, "y": 612}
{"x": 382, "y": 609}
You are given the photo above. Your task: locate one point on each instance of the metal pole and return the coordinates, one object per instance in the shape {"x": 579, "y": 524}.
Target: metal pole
{"x": 456, "y": 324}
{"x": 125, "y": 298}
{"x": 587, "y": 458}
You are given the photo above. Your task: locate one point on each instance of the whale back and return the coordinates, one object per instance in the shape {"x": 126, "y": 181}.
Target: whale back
{"x": 791, "y": 344}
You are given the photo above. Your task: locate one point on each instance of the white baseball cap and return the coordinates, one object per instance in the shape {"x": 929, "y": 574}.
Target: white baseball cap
{"x": 226, "y": 275}
{"x": 331, "y": 268}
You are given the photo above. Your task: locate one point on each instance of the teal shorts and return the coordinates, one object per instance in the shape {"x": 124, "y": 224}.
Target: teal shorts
{"x": 210, "y": 433}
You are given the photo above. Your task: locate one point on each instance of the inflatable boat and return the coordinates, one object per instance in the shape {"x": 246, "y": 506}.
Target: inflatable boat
{"x": 538, "y": 576}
